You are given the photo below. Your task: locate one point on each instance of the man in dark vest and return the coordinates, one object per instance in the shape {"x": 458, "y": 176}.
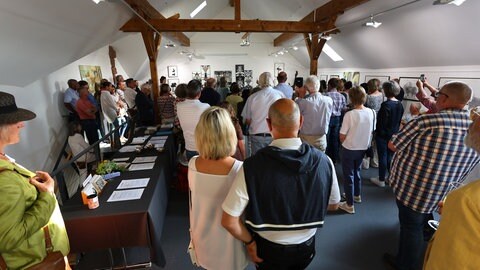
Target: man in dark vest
{"x": 284, "y": 192}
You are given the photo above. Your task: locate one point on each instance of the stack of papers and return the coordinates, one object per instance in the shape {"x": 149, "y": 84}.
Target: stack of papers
{"x": 158, "y": 141}
{"x": 128, "y": 148}
{"x": 123, "y": 159}
{"x": 133, "y": 183}
{"x": 126, "y": 195}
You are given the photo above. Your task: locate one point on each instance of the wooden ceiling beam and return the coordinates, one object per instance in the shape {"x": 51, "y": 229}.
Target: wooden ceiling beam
{"x": 200, "y": 25}
{"x": 321, "y": 14}
{"x": 144, "y": 8}
{"x": 237, "y": 10}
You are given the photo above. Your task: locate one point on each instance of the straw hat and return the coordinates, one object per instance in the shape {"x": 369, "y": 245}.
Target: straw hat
{"x": 10, "y": 113}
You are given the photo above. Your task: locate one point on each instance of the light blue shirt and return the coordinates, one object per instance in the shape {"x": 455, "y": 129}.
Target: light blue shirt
{"x": 286, "y": 89}
{"x": 316, "y": 110}
{"x": 71, "y": 96}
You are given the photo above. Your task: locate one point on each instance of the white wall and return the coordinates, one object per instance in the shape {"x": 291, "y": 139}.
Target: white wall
{"x": 43, "y": 137}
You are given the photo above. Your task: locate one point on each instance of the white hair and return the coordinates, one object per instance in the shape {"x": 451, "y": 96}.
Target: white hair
{"x": 313, "y": 83}
{"x": 265, "y": 80}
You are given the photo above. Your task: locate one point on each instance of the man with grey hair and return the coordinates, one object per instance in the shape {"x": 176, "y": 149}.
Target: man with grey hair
{"x": 284, "y": 192}
{"x": 316, "y": 110}
{"x": 429, "y": 154}
{"x": 256, "y": 110}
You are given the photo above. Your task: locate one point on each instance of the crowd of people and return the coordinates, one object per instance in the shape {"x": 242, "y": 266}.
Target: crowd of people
{"x": 261, "y": 166}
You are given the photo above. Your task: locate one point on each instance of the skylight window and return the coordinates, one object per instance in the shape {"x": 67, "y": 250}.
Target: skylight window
{"x": 198, "y": 9}
{"x": 332, "y": 53}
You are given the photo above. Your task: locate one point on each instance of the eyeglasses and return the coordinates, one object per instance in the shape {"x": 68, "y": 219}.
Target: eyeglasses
{"x": 437, "y": 94}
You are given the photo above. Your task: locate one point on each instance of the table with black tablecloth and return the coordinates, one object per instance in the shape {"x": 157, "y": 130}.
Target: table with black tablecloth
{"x": 134, "y": 223}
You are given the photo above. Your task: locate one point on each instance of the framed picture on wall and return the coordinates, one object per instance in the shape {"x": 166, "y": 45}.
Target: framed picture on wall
{"x": 323, "y": 77}
{"x": 172, "y": 71}
{"x": 409, "y": 86}
{"x": 334, "y": 76}
{"x": 92, "y": 75}
{"x": 474, "y": 83}
{"x": 381, "y": 78}
{"x": 173, "y": 82}
{"x": 277, "y": 68}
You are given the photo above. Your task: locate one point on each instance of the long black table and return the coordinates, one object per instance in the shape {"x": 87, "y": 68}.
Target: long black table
{"x": 135, "y": 223}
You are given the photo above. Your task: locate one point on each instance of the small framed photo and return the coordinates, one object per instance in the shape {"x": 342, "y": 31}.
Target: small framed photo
{"x": 172, "y": 71}
{"x": 335, "y": 76}
{"x": 278, "y": 67}
{"x": 173, "y": 82}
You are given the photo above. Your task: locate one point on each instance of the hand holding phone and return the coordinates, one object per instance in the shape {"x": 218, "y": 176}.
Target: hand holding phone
{"x": 422, "y": 77}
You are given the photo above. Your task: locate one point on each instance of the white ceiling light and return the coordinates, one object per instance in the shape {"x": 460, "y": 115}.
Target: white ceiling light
{"x": 169, "y": 45}
{"x": 324, "y": 36}
{"x": 443, "y": 2}
{"x": 372, "y": 23}
{"x": 295, "y": 48}
{"x": 97, "y": 1}
{"x": 332, "y": 53}
{"x": 198, "y": 9}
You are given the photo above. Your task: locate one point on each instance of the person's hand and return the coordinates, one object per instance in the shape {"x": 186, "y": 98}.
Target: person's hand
{"x": 440, "y": 207}
{"x": 43, "y": 182}
{"x": 420, "y": 84}
{"x": 252, "y": 251}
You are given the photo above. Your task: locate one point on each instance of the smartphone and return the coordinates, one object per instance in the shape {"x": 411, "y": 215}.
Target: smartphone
{"x": 422, "y": 77}
{"x": 298, "y": 81}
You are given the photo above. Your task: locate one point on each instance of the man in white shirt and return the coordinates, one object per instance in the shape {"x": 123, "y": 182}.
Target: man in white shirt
{"x": 188, "y": 113}
{"x": 283, "y": 86}
{"x": 130, "y": 92}
{"x": 283, "y": 192}
{"x": 256, "y": 110}
{"x": 316, "y": 110}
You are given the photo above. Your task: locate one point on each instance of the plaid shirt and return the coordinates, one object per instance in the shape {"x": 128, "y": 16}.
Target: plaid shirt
{"x": 339, "y": 102}
{"x": 430, "y": 154}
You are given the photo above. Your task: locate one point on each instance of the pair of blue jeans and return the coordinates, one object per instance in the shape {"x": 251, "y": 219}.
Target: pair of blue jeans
{"x": 351, "y": 165}
{"x": 384, "y": 157}
{"x": 412, "y": 238}
{"x": 333, "y": 140}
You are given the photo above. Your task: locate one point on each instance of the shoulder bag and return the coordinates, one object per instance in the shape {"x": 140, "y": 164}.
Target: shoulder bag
{"x": 369, "y": 152}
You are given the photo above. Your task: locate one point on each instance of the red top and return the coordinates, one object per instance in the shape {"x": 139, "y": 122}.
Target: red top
{"x": 85, "y": 108}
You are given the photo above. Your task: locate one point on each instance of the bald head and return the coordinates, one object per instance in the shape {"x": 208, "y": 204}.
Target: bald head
{"x": 284, "y": 118}
{"x": 459, "y": 95}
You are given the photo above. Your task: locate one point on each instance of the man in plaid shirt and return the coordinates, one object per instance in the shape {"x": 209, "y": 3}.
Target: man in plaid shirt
{"x": 429, "y": 154}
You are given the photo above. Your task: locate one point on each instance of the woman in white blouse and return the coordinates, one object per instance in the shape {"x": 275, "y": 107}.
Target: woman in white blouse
{"x": 210, "y": 175}
{"x": 355, "y": 136}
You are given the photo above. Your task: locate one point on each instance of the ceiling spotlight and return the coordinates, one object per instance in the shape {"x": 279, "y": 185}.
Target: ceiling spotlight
{"x": 326, "y": 37}
{"x": 280, "y": 53}
{"x": 295, "y": 48}
{"x": 444, "y": 2}
{"x": 170, "y": 45}
{"x": 372, "y": 23}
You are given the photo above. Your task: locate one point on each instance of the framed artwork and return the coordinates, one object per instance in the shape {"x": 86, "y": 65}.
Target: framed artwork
{"x": 172, "y": 71}
{"x": 248, "y": 77}
{"x": 323, "y": 77}
{"x": 474, "y": 83}
{"x": 92, "y": 75}
{"x": 227, "y": 74}
{"x": 382, "y": 79}
{"x": 197, "y": 76}
{"x": 334, "y": 76}
{"x": 278, "y": 67}
{"x": 354, "y": 77}
{"x": 173, "y": 82}
{"x": 206, "y": 71}
{"x": 240, "y": 75}
{"x": 409, "y": 86}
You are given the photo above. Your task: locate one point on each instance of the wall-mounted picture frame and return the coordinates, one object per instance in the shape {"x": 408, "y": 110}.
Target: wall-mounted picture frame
{"x": 410, "y": 88}
{"x": 334, "y": 76}
{"x": 172, "y": 71}
{"x": 474, "y": 84}
{"x": 277, "y": 68}
{"x": 381, "y": 78}
{"x": 323, "y": 77}
{"x": 173, "y": 82}
{"x": 92, "y": 75}
{"x": 227, "y": 74}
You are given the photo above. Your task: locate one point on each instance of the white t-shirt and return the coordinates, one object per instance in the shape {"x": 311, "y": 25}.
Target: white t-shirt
{"x": 130, "y": 95}
{"x": 188, "y": 113}
{"x": 237, "y": 200}
{"x": 358, "y": 125}
{"x": 256, "y": 109}
{"x": 109, "y": 106}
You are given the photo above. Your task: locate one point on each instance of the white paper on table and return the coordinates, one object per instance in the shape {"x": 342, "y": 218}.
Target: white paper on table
{"x": 141, "y": 166}
{"x": 144, "y": 159}
{"x": 133, "y": 183}
{"x": 156, "y": 138}
{"x": 120, "y": 159}
{"x": 126, "y": 195}
{"x": 139, "y": 140}
{"x": 128, "y": 148}
{"x": 157, "y": 141}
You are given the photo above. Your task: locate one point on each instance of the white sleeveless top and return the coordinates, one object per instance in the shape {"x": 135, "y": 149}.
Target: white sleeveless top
{"x": 215, "y": 247}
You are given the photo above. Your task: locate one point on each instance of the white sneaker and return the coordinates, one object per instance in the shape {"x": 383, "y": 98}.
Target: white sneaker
{"x": 377, "y": 182}
{"x": 347, "y": 208}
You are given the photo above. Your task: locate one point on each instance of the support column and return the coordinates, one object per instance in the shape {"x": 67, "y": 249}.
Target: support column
{"x": 152, "y": 42}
